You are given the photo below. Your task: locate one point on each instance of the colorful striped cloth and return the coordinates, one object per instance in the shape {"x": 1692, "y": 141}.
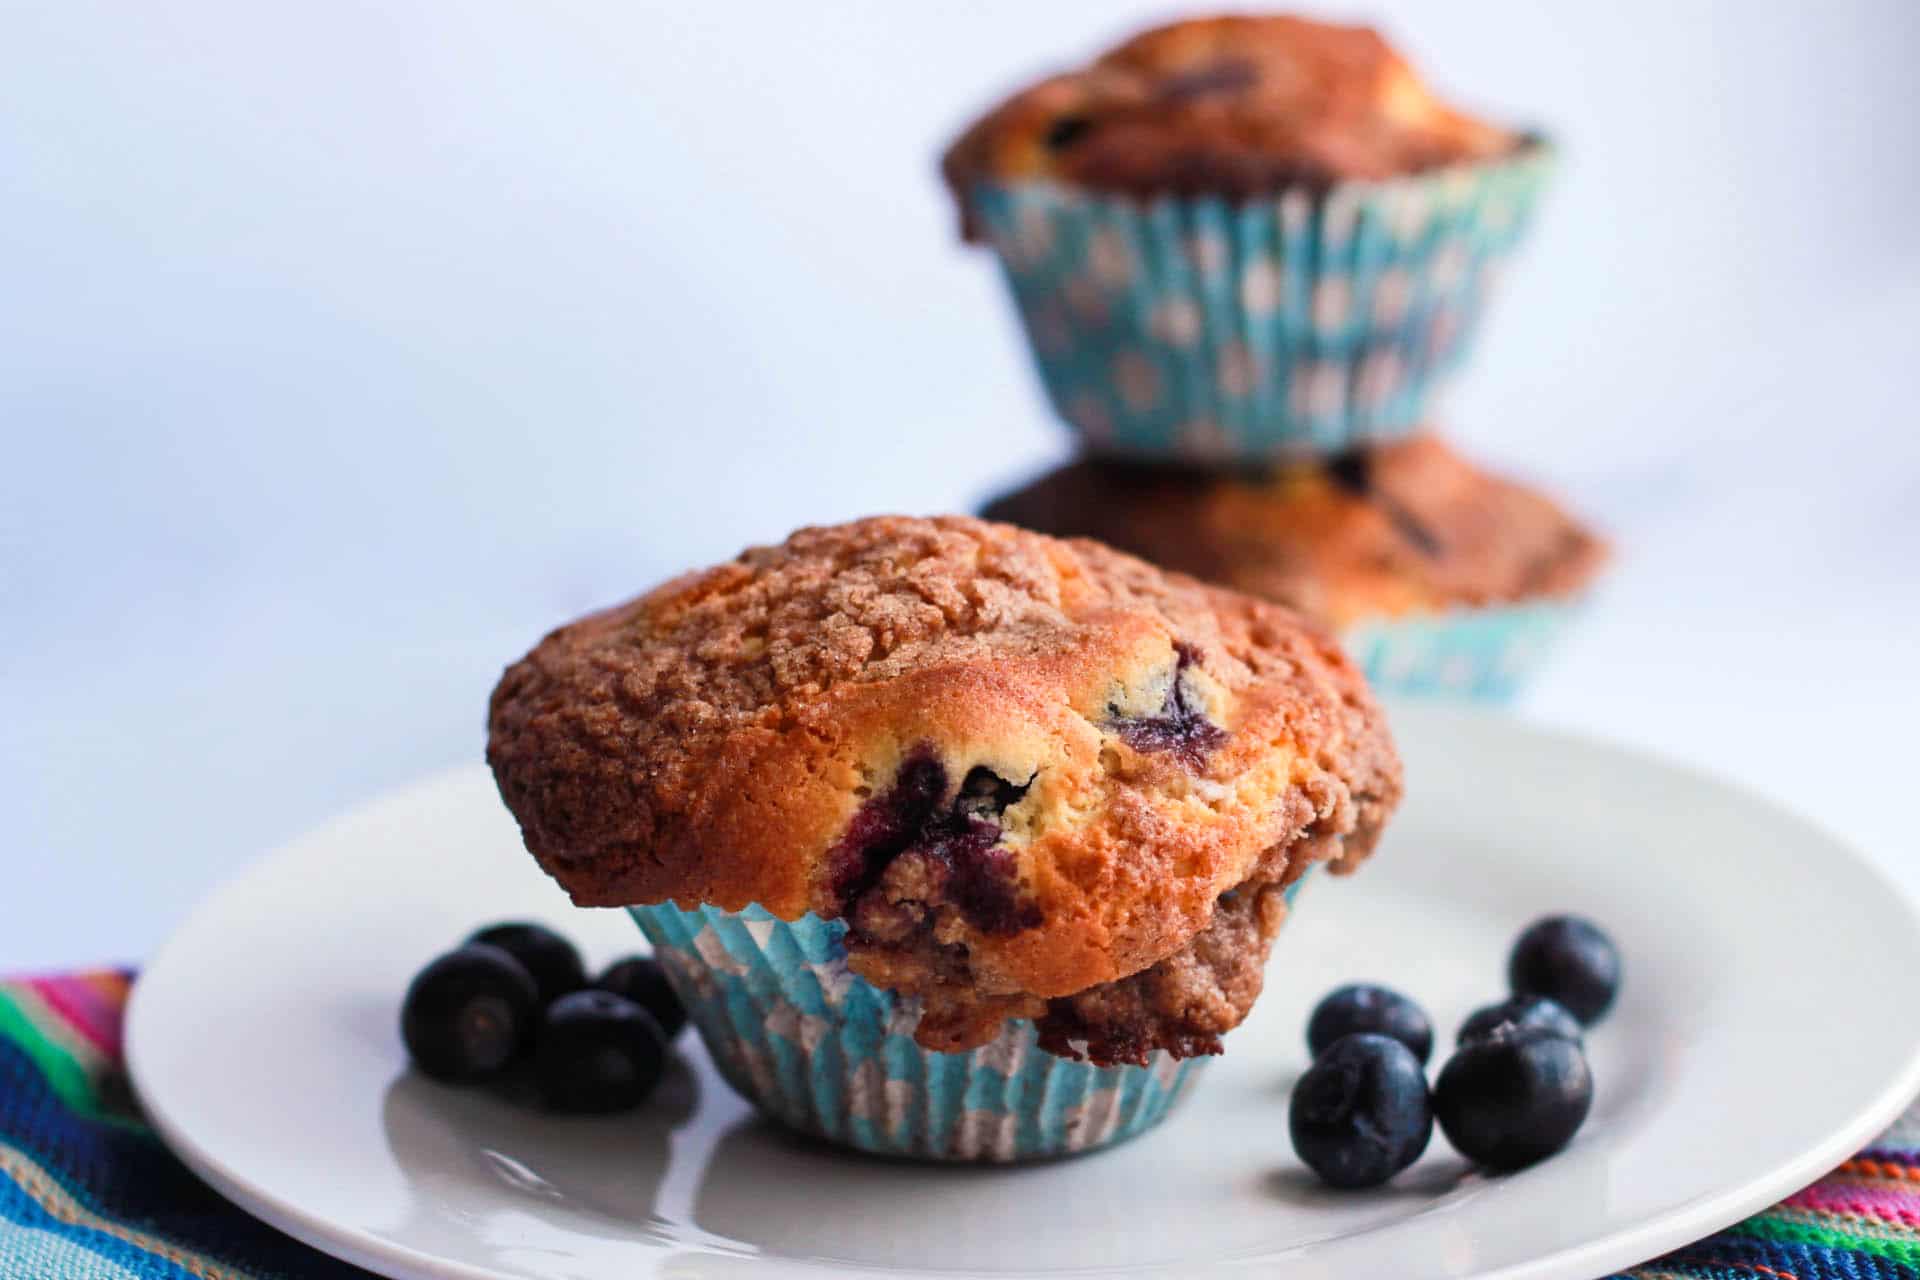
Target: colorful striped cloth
{"x": 88, "y": 1193}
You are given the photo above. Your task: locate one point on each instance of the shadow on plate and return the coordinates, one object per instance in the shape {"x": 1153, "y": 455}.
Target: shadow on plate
{"x": 443, "y": 1136}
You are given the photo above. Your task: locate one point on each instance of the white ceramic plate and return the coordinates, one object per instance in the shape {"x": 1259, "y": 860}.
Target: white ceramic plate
{"x": 1751, "y": 1050}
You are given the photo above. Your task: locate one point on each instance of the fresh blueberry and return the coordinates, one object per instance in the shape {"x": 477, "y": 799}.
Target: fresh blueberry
{"x": 1568, "y": 959}
{"x": 597, "y": 1052}
{"x": 1365, "y": 1007}
{"x": 1513, "y": 1098}
{"x": 550, "y": 958}
{"x": 642, "y": 980}
{"x": 1519, "y": 1011}
{"x": 1361, "y": 1113}
{"x": 468, "y": 1014}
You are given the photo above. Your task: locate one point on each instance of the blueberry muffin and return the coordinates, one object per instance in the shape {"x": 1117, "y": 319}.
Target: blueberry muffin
{"x": 1243, "y": 236}
{"x": 1019, "y": 798}
{"x": 1240, "y": 107}
{"x": 1407, "y": 536}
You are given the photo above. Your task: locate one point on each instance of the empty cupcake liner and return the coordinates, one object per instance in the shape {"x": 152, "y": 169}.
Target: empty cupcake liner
{"x": 1482, "y": 655}
{"x": 1204, "y": 330}
{"x": 813, "y": 1045}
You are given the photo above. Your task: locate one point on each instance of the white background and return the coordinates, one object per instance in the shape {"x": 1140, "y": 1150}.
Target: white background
{"x": 344, "y": 348}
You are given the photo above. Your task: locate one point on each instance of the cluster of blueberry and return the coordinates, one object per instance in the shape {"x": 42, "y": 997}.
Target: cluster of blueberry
{"x": 1515, "y": 1091}
{"x": 514, "y": 1000}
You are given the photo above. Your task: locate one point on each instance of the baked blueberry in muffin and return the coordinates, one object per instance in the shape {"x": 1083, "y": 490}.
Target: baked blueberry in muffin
{"x": 1034, "y": 778}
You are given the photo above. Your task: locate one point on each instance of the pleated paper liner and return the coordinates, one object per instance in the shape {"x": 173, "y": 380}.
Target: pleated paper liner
{"x": 1204, "y": 330}
{"x": 1485, "y": 654}
{"x": 813, "y": 1045}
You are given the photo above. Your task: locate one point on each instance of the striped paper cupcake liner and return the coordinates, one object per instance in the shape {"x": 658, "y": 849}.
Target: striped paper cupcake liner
{"x": 1207, "y": 331}
{"x": 820, "y": 1049}
{"x": 1484, "y": 655}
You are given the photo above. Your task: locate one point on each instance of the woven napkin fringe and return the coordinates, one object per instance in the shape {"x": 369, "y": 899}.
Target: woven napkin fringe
{"x": 88, "y": 1193}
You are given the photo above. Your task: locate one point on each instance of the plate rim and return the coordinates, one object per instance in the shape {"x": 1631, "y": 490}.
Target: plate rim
{"x": 1648, "y": 1240}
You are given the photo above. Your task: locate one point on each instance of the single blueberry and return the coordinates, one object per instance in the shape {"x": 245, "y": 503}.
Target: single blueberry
{"x": 597, "y": 1052}
{"x": 642, "y": 980}
{"x": 1513, "y": 1098}
{"x": 1365, "y": 1007}
{"x": 468, "y": 1014}
{"x": 1518, "y": 1011}
{"x": 958, "y": 839}
{"x": 1351, "y": 471}
{"x": 1361, "y": 1112}
{"x": 1179, "y": 728}
{"x": 1065, "y": 131}
{"x": 550, "y": 958}
{"x": 1568, "y": 959}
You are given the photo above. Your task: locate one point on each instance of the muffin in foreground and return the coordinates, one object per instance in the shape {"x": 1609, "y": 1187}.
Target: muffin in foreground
{"x": 947, "y": 810}
{"x": 1442, "y": 577}
{"x": 1241, "y": 237}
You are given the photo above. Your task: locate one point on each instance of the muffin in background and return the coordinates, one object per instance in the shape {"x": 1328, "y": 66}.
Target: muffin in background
{"x": 1441, "y": 578}
{"x": 907, "y": 809}
{"x": 1244, "y": 237}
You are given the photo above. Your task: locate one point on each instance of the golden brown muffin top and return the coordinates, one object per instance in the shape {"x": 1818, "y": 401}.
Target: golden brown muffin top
{"x": 1236, "y": 106}
{"x": 1410, "y": 527}
{"x": 1018, "y": 767}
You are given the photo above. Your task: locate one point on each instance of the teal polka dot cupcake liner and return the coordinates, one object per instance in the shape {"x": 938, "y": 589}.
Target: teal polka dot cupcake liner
{"x": 1482, "y": 655}
{"x": 1207, "y": 331}
{"x": 820, "y": 1049}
